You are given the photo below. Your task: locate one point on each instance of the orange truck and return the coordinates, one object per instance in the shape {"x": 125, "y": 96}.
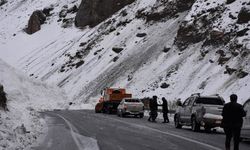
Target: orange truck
{"x": 111, "y": 98}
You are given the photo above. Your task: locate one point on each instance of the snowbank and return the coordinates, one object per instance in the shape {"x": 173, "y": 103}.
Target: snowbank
{"x": 25, "y": 99}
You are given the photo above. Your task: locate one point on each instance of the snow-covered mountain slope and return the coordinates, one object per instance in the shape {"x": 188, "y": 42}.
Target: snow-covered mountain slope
{"x": 163, "y": 47}
{"x": 25, "y": 99}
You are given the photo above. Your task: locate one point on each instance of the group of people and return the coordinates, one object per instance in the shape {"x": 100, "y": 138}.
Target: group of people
{"x": 232, "y": 113}
{"x": 153, "y": 106}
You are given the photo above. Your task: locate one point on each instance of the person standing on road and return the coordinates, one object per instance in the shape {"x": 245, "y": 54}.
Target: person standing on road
{"x": 232, "y": 121}
{"x": 153, "y": 106}
{"x": 165, "y": 110}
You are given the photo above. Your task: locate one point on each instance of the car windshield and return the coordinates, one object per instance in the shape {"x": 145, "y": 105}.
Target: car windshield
{"x": 209, "y": 101}
{"x": 132, "y": 100}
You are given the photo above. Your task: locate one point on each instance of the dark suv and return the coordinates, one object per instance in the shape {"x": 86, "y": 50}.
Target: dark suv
{"x": 197, "y": 111}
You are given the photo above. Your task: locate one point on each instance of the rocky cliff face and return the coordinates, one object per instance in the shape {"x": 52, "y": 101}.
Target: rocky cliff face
{"x": 92, "y": 12}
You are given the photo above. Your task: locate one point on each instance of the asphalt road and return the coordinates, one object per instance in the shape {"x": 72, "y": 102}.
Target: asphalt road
{"x": 85, "y": 130}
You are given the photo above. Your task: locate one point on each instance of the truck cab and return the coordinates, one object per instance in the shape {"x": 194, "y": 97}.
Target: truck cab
{"x": 110, "y": 99}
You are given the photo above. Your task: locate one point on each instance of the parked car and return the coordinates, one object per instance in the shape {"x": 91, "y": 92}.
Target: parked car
{"x": 130, "y": 106}
{"x": 245, "y": 131}
{"x": 197, "y": 111}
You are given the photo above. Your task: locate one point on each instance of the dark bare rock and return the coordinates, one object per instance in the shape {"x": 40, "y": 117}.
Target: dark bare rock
{"x": 73, "y": 9}
{"x": 166, "y": 49}
{"x": 244, "y": 15}
{"x": 187, "y": 34}
{"x": 115, "y": 58}
{"x": 211, "y": 61}
{"x": 117, "y": 49}
{"x": 92, "y": 12}
{"x": 183, "y": 5}
{"x": 171, "y": 10}
{"x": 242, "y": 32}
{"x": 78, "y": 64}
{"x": 232, "y": 17}
{"x": 2, "y": 2}
{"x": 200, "y": 29}
{"x": 164, "y": 85}
{"x": 82, "y": 44}
{"x": 36, "y": 20}
{"x": 222, "y": 60}
{"x": 216, "y": 37}
{"x": 230, "y": 1}
{"x": 241, "y": 74}
{"x": 67, "y": 22}
{"x": 229, "y": 70}
{"x": 63, "y": 13}
{"x": 141, "y": 34}
{"x": 47, "y": 11}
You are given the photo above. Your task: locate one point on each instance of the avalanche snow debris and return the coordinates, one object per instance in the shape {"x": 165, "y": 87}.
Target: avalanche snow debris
{"x": 21, "y": 125}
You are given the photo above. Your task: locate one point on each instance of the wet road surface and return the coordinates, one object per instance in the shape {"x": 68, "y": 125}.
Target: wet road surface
{"x": 85, "y": 130}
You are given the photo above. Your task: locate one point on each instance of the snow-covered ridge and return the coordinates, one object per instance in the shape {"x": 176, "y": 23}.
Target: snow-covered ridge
{"x": 84, "y": 61}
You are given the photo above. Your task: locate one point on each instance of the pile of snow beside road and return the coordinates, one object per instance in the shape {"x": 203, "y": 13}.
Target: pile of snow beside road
{"x": 25, "y": 99}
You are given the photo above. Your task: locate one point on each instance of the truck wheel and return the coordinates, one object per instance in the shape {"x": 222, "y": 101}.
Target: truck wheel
{"x": 177, "y": 122}
{"x": 195, "y": 126}
{"x": 109, "y": 111}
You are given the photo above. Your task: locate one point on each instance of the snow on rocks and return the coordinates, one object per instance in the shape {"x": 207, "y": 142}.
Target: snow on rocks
{"x": 83, "y": 62}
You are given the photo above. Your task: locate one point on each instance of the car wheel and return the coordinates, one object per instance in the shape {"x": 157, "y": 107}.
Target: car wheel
{"x": 122, "y": 114}
{"x": 195, "y": 126}
{"x": 118, "y": 113}
{"x": 109, "y": 111}
{"x": 141, "y": 115}
{"x": 177, "y": 122}
{"x": 207, "y": 129}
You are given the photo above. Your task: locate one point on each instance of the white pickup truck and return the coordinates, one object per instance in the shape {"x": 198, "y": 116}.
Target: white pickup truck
{"x": 197, "y": 111}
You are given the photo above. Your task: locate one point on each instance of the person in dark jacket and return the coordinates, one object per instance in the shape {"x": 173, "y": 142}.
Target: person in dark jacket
{"x": 153, "y": 106}
{"x": 232, "y": 121}
{"x": 165, "y": 110}
{"x": 3, "y": 99}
